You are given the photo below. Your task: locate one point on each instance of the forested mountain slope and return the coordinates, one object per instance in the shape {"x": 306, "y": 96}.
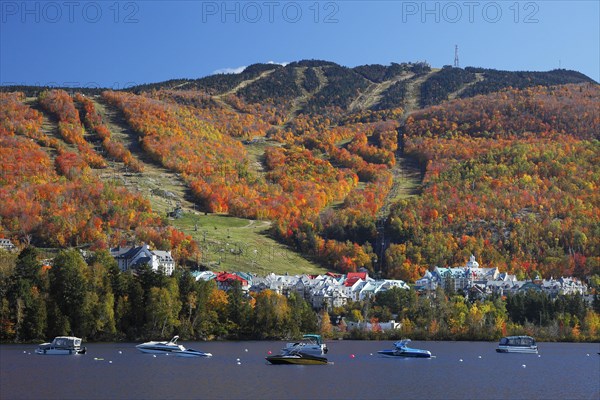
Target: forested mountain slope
{"x": 340, "y": 161}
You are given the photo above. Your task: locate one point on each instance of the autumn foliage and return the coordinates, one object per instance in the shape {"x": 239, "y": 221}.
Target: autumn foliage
{"x": 115, "y": 149}
{"x": 511, "y": 177}
{"x": 70, "y": 128}
{"x": 39, "y": 206}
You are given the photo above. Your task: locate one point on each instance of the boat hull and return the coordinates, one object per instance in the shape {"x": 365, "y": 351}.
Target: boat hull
{"x": 155, "y": 351}
{"x": 400, "y": 354}
{"x": 60, "y": 352}
{"x": 191, "y": 353}
{"x": 515, "y": 349}
{"x": 296, "y": 360}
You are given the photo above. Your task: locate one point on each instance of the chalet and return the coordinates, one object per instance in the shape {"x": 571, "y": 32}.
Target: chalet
{"x": 7, "y": 245}
{"x": 502, "y": 285}
{"x": 226, "y": 280}
{"x": 353, "y": 277}
{"x": 429, "y": 282}
{"x": 373, "y": 327}
{"x": 204, "y": 275}
{"x": 131, "y": 258}
{"x": 530, "y": 285}
{"x": 565, "y": 286}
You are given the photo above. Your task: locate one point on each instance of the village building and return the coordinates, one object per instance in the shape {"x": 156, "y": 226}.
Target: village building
{"x": 131, "y": 258}
{"x": 372, "y": 326}
{"x": 226, "y": 280}
{"x": 7, "y": 245}
{"x": 477, "y": 283}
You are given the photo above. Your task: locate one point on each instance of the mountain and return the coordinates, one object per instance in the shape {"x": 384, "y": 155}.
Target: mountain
{"x": 392, "y": 168}
{"x": 326, "y": 84}
{"x": 319, "y": 85}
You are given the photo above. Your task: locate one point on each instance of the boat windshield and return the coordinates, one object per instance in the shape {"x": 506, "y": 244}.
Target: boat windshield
{"x": 313, "y": 338}
{"x": 401, "y": 343}
{"x": 66, "y": 341}
{"x": 517, "y": 341}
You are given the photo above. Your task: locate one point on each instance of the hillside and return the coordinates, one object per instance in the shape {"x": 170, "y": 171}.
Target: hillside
{"x": 391, "y": 168}
{"x": 342, "y": 87}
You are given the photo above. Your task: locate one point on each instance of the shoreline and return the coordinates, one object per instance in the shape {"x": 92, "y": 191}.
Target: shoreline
{"x": 330, "y": 340}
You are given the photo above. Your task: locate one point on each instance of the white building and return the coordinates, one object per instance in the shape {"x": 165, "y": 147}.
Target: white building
{"x": 7, "y": 245}
{"x": 133, "y": 257}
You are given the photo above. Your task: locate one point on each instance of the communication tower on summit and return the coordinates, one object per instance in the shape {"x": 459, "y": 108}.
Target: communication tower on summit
{"x": 456, "y": 64}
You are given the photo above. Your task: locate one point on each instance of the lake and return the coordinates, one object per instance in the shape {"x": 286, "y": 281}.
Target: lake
{"x": 119, "y": 371}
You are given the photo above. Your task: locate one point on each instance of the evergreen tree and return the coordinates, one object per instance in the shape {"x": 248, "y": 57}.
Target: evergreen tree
{"x": 68, "y": 289}
{"x": 240, "y": 312}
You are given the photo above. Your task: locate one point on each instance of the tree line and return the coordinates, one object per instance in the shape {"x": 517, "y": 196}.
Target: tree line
{"x": 91, "y": 298}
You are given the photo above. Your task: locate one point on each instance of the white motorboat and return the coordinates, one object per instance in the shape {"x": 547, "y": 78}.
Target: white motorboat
{"x": 170, "y": 347}
{"x": 154, "y": 347}
{"x": 311, "y": 344}
{"x": 62, "y": 345}
{"x": 517, "y": 344}
{"x": 191, "y": 353}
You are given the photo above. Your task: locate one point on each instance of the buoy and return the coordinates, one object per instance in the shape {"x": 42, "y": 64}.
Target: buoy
{"x": 588, "y": 354}
{"x": 239, "y": 363}
{"x": 479, "y": 357}
{"x": 237, "y": 359}
{"x": 154, "y": 355}
{"x": 371, "y": 354}
{"x": 120, "y": 352}
{"x": 523, "y": 365}
{"x": 352, "y": 356}
{"x": 539, "y": 355}
{"x": 110, "y": 362}
{"x": 269, "y": 352}
{"x": 460, "y": 360}
{"x": 246, "y": 350}
{"x": 24, "y": 352}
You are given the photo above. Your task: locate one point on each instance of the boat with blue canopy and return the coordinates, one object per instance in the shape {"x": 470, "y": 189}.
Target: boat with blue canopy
{"x": 402, "y": 350}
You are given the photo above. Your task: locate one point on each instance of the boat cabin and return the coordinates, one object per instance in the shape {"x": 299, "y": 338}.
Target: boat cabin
{"x": 517, "y": 341}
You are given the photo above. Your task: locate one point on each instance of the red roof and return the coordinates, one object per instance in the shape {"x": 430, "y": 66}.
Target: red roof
{"x": 226, "y": 277}
{"x": 353, "y": 277}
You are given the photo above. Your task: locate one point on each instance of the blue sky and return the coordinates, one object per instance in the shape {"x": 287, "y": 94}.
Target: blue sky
{"x": 119, "y": 44}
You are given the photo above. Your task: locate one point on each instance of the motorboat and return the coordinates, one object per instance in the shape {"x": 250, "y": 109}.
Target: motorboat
{"x": 311, "y": 344}
{"x": 154, "y": 347}
{"x": 191, "y": 353}
{"x": 402, "y": 350}
{"x": 296, "y": 358}
{"x": 62, "y": 345}
{"x": 517, "y": 344}
{"x": 170, "y": 347}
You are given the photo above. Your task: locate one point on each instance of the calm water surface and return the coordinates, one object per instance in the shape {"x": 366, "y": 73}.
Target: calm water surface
{"x": 119, "y": 371}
